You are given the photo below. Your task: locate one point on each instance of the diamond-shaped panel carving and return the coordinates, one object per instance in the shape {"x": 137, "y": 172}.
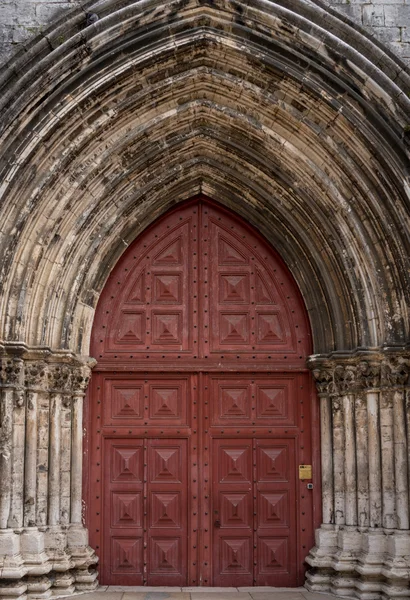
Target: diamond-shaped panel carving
{"x": 234, "y": 288}
{"x": 130, "y": 328}
{"x": 165, "y": 510}
{"x": 165, "y": 464}
{"x": 126, "y": 509}
{"x": 170, "y": 255}
{"x": 234, "y": 328}
{"x": 126, "y": 464}
{"x": 126, "y": 402}
{"x": 234, "y": 464}
{"x": 165, "y": 555}
{"x": 271, "y": 402}
{"x": 273, "y": 463}
{"x": 270, "y": 330}
{"x": 235, "y": 555}
{"x": 230, "y": 254}
{"x": 167, "y": 288}
{"x": 234, "y": 403}
{"x": 273, "y": 509}
{"x": 166, "y": 328}
{"x": 126, "y": 555}
{"x": 273, "y": 555}
{"x": 165, "y": 403}
{"x": 235, "y": 510}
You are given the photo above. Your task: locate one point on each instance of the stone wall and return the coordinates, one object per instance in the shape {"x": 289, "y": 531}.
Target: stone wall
{"x": 21, "y": 20}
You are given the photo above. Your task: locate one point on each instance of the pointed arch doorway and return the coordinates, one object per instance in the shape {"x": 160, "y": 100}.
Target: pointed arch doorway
{"x": 201, "y": 410}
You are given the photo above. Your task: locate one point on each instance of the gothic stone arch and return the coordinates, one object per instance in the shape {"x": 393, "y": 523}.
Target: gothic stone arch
{"x": 298, "y": 122}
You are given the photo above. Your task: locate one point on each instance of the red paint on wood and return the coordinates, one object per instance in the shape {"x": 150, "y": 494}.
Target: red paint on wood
{"x": 200, "y": 410}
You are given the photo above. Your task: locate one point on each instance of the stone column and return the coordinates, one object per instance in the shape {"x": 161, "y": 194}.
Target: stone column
{"x": 363, "y": 547}
{"x": 42, "y": 538}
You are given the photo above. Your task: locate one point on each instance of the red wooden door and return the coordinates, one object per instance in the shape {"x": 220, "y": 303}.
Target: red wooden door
{"x": 200, "y": 410}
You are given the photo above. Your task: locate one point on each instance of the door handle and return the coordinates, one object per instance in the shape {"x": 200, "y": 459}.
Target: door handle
{"x": 217, "y": 524}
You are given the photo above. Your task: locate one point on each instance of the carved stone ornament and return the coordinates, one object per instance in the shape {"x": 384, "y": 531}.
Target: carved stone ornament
{"x": 60, "y": 378}
{"x": 35, "y": 374}
{"x": 345, "y": 379}
{"x": 368, "y": 375}
{"x": 81, "y": 378}
{"x": 11, "y": 371}
{"x": 324, "y": 380}
{"x": 395, "y": 372}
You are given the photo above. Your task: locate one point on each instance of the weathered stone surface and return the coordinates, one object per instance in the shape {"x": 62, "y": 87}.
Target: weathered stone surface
{"x": 287, "y": 114}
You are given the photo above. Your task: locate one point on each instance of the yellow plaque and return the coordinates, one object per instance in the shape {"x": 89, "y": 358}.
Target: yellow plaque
{"x": 305, "y": 471}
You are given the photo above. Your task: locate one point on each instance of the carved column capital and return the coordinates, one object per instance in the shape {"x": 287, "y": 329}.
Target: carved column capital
{"x": 323, "y": 379}
{"x": 12, "y": 372}
{"x": 59, "y": 378}
{"x": 35, "y": 375}
{"x": 368, "y": 374}
{"x": 395, "y": 372}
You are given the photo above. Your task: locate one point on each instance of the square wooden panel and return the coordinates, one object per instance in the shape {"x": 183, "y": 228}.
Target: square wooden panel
{"x": 167, "y": 288}
{"x": 123, "y": 402}
{"x": 273, "y": 462}
{"x": 231, "y": 402}
{"x": 126, "y": 555}
{"x": 165, "y": 464}
{"x": 165, "y": 402}
{"x": 165, "y": 556}
{"x": 235, "y": 509}
{"x": 234, "y": 288}
{"x": 166, "y": 328}
{"x": 130, "y": 329}
{"x": 235, "y": 555}
{"x": 165, "y": 510}
{"x": 273, "y": 509}
{"x": 126, "y": 463}
{"x": 126, "y": 509}
{"x": 234, "y": 463}
{"x": 233, "y": 329}
{"x": 273, "y": 555}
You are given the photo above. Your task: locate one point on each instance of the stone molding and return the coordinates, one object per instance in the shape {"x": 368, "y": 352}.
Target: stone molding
{"x": 363, "y": 546}
{"x": 44, "y": 547}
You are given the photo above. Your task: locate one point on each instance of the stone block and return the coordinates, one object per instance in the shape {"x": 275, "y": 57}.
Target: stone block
{"x": 9, "y": 543}
{"x": 373, "y": 15}
{"x": 32, "y": 541}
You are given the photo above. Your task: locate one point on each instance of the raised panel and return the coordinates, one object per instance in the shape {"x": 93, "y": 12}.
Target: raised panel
{"x": 273, "y": 556}
{"x": 137, "y": 294}
{"x": 234, "y": 288}
{"x": 263, "y": 290}
{"x": 166, "y": 328}
{"x": 273, "y": 463}
{"x": 230, "y": 253}
{"x": 271, "y": 402}
{"x": 165, "y": 402}
{"x": 126, "y": 464}
{"x": 165, "y": 464}
{"x": 126, "y": 555}
{"x": 165, "y": 556}
{"x": 171, "y": 254}
{"x": 236, "y": 555}
{"x": 234, "y": 403}
{"x": 235, "y": 509}
{"x": 270, "y": 329}
{"x": 233, "y": 328}
{"x": 165, "y": 510}
{"x": 126, "y": 509}
{"x": 167, "y": 288}
{"x": 125, "y": 401}
{"x": 234, "y": 464}
{"x": 273, "y": 509}
{"x": 130, "y": 328}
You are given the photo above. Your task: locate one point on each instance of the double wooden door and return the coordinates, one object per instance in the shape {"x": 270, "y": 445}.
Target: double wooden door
{"x": 200, "y": 410}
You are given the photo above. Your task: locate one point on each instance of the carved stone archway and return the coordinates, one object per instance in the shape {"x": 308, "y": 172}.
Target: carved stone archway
{"x": 297, "y": 121}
